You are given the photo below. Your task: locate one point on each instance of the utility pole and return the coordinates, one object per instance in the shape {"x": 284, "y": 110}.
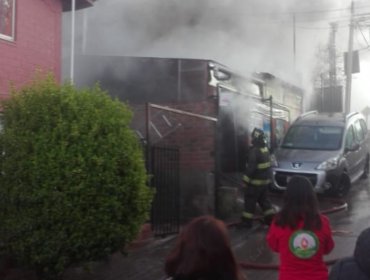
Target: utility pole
{"x": 72, "y": 63}
{"x": 332, "y": 70}
{"x": 294, "y": 42}
{"x": 84, "y": 32}
{"x": 349, "y": 63}
{"x": 322, "y": 92}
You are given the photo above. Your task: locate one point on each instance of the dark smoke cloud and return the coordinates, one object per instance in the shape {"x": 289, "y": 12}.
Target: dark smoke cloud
{"x": 246, "y": 35}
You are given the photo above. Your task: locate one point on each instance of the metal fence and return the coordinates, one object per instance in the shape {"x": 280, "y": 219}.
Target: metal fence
{"x": 165, "y": 215}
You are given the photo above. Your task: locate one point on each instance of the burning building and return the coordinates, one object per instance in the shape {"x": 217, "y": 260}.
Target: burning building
{"x": 194, "y": 117}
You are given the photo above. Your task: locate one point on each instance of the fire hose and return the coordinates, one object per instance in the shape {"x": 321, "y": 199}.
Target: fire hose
{"x": 268, "y": 266}
{"x": 341, "y": 206}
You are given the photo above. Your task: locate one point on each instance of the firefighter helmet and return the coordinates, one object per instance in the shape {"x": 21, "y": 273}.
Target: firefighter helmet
{"x": 258, "y": 137}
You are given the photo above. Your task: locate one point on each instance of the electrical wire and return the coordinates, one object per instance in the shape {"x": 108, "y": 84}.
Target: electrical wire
{"x": 340, "y": 18}
{"x": 363, "y": 36}
{"x": 331, "y": 10}
{"x": 319, "y": 28}
{"x": 306, "y": 12}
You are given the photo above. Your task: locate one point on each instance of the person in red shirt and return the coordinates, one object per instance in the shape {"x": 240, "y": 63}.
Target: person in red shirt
{"x": 300, "y": 234}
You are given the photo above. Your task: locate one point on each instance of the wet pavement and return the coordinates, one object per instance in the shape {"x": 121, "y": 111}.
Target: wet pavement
{"x": 146, "y": 262}
{"x": 346, "y": 226}
{"x": 249, "y": 246}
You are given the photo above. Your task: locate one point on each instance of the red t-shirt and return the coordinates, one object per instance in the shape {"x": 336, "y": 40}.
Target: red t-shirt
{"x": 301, "y": 251}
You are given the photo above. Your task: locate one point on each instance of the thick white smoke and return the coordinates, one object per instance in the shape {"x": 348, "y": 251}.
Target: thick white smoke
{"x": 246, "y": 35}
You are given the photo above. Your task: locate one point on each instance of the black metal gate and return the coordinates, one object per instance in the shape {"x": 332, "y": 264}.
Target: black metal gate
{"x": 165, "y": 216}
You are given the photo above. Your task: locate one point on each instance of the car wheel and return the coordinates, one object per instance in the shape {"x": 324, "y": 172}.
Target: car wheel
{"x": 343, "y": 186}
{"x": 366, "y": 169}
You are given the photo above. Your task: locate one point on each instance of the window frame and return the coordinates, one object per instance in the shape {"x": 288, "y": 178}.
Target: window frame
{"x": 364, "y": 127}
{"x": 10, "y": 37}
{"x": 359, "y": 134}
{"x": 350, "y": 132}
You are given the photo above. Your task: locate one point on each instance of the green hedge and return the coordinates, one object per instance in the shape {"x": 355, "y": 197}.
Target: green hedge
{"x": 73, "y": 180}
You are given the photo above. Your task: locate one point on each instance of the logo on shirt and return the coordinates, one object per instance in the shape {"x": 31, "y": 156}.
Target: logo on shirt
{"x": 303, "y": 244}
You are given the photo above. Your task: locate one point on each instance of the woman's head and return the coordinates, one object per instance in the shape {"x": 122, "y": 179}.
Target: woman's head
{"x": 362, "y": 251}
{"x": 203, "y": 251}
{"x": 300, "y": 202}
{"x": 300, "y": 194}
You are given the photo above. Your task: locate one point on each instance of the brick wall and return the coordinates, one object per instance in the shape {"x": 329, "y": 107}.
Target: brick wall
{"x": 195, "y": 138}
{"x": 37, "y": 43}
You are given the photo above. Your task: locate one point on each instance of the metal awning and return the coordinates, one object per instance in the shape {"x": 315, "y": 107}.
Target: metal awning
{"x": 80, "y": 4}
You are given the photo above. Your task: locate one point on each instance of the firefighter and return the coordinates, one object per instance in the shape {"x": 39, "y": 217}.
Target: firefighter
{"x": 257, "y": 179}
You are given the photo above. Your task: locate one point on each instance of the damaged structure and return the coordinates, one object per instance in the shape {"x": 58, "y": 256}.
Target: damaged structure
{"x": 194, "y": 118}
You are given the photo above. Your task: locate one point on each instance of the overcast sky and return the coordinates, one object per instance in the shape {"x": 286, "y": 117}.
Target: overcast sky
{"x": 246, "y": 35}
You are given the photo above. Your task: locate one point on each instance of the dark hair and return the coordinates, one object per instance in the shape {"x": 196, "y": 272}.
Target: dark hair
{"x": 203, "y": 251}
{"x": 362, "y": 252}
{"x": 300, "y": 203}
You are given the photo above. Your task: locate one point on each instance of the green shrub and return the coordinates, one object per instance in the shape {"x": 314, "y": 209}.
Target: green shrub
{"x": 73, "y": 180}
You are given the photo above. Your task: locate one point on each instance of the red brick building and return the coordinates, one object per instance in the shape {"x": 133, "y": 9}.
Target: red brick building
{"x": 30, "y": 39}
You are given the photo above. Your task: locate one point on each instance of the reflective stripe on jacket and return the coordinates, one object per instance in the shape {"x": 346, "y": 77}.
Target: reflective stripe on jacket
{"x": 258, "y": 167}
{"x": 256, "y": 182}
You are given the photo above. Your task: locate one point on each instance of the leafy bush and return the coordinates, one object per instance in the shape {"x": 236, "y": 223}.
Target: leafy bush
{"x": 73, "y": 180}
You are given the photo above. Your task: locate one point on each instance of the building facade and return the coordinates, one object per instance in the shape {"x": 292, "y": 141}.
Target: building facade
{"x": 30, "y": 39}
{"x": 198, "y": 107}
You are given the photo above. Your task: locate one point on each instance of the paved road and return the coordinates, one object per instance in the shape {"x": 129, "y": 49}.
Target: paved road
{"x": 249, "y": 245}
{"x": 346, "y": 226}
{"x": 146, "y": 262}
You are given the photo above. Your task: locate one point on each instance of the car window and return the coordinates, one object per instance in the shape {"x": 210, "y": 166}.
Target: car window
{"x": 364, "y": 126}
{"x": 313, "y": 137}
{"x": 350, "y": 138}
{"x": 359, "y": 135}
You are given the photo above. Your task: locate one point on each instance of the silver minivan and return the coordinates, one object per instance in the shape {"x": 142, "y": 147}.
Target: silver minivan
{"x": 330, "y": 149}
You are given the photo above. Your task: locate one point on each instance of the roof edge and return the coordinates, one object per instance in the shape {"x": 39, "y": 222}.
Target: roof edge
{"x": 80, "y": 4}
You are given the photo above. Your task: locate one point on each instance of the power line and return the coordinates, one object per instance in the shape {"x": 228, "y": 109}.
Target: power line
{"x": 319, "y": 27}
{"x": 363, "y": 36}
{"x": 362, "y": 16}
{"x": 331, "y": 10}
{"x": 359, "y": 17}
{"x": 290, "y": 13}
{"x": 273, "y": 17}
